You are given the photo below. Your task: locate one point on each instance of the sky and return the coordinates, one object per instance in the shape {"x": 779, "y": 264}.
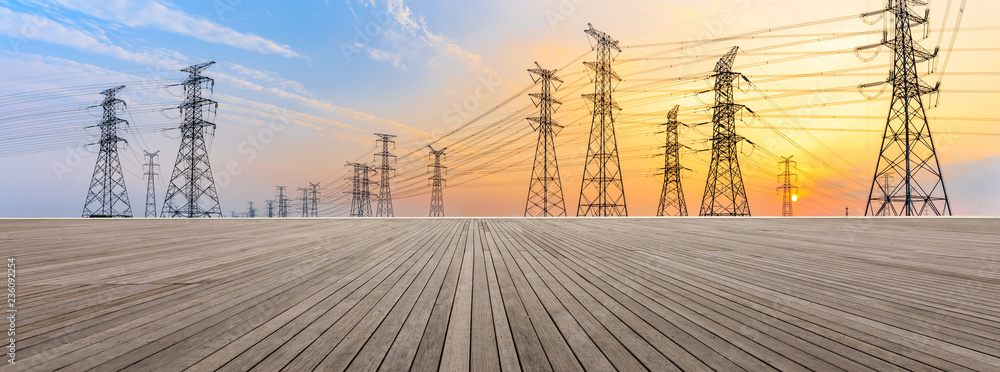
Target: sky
{"x": 303, "y": 86}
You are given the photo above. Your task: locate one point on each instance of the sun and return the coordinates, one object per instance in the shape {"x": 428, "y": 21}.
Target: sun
{"x": 795, "y": 198}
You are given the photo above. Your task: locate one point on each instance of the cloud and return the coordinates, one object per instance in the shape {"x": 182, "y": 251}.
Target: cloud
{"x": 22, "y": 27}
{"x": 417, "y": 28}
{"x": 269, "y": 77}
{"x": 164, "y": 17}
{"x": 385, "y": 56}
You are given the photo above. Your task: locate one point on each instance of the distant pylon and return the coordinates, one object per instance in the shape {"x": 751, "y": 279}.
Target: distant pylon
{"x": 191, "y": 191}
{"x": 886, "y": 190}
{"x": 672, "y": 201}
{"x": 314, "y": 199}
{"x": 361, "y": 195}
{"x": 602, "y": 192}
{"x": 305, "y": 201}
{"x": 151, "y": 168}
{"x": 545, "y": 195}
{"x": 437, "y": 183}
{"x": 270, "y": 208}
{"x": 724, "y": 191}
{"x": 107, "y": 196}
{"x": 786, "y": 189}
{"x": 282, "y": 202}
{"x": 251, "y": 211}
{"x": 907, "y": 149}
{"x": 384, "y": 208}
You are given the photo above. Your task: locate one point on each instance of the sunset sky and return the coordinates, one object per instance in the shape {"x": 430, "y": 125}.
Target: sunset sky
{"x": 302, "y": 87}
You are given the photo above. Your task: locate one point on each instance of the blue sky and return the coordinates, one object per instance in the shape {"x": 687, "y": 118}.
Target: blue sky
{"x": 330, "y": 73}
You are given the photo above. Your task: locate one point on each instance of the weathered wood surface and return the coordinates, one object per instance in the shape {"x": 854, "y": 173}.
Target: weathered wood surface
{"x": 486, "y": 294}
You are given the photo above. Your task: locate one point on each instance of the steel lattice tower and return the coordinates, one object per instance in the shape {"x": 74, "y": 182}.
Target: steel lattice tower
{"x": 251, "y": 211}
{"x": 305, "y": 201}
{"x": 314, "y": 199}
{"x": 191, "y": 191}
{"x": 907, "y": 149}
{"x": 151, "y": 168}
{"x": 724, "y": 191}
{"x": 545, "y": 195}
{"x": 672, "y": 202}
{"x": 786, "y": 189}
{"x": 282, "y": 202}
{"x": 437, "y": 183}
{"x": 361, "y": 195}
{"x": 107, "y": 196}
{"x": 602, "y": 192}
{"x": 270, "y": 208}
{"x": 384, "y": 208}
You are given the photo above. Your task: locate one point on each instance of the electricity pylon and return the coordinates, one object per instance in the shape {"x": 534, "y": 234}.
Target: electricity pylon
{"x": 545, "y": 195}
{"x": 437, "y": 182}
{"x": 251, "y": 211}
{"x": 907, "y": 149}
{"x": 151, "y": 168}
{"x": 314, "y": 199}
{"x": 724, "y": 191}
{"x": 602, "y": 192}
{"x": 270, "y": 208}
{"x": 191, "y": 191}
{"x": 786, "y": 189}
{"x": 107, "y": 196}
{"x": 384, "y": 208}
{"x": 305, "y": 201}
{"x": 282, "y": 202}
{"x": 672, "y": 201}
{"x": 886, "y": 190}
{"x": 361, "y": 195}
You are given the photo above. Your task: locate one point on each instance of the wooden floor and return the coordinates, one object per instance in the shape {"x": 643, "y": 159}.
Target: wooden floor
{"x": 513, "y": 294}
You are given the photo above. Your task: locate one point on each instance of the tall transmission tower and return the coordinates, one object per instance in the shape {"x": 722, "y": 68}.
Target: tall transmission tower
{"x": 788, "y": 192}
{"x": 724, "y": 191}
{"x": 672, "y": 202}
{"x": 886, "y": 186}
{"x": 251, "y": 211}
{"x": 107, "y": 196}
{"x": 907, "y": 150}
{"x": 282, "y": 202}
{"x": 361, "y": 195}
{"x": 602, "y": 193}
{"x": 270, "y": 208}
{"x": 437, "y": 183}
{"x": 151, "y": 168}
{"x": 384, "y": 208}
{"x": 191, "y": 191}
{"x": 314, "y": 199}
{"x": 545, "y": 195}
{"x": 305, "y": 201}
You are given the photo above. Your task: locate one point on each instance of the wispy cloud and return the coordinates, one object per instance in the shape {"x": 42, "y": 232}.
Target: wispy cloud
{"x": 165, "y": 17}
{"x": 417, "y": 28}
{"x": 22, "y": 26}
{"x": 268, "y": 77}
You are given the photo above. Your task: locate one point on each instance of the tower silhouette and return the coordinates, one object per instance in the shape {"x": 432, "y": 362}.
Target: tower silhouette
{"x": 107, "y": 196}
{"x": 191, "y": 191}
{"x": 314, "y": 199}
{"x": 672, "y": 201}
{"x": 384, "y": 208}
{"x": 602, "y": 192}
{"x": 282, "y": 202}
{"x": 437, "y": 183}
{"x": 907, "y": 150}
{"x": 724, "y": 191}
{"x": 361, "y": 195}
{"x": 151, "y": 168}
{"x": 545, "y": 195}
{"x": 786, "y": 189}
